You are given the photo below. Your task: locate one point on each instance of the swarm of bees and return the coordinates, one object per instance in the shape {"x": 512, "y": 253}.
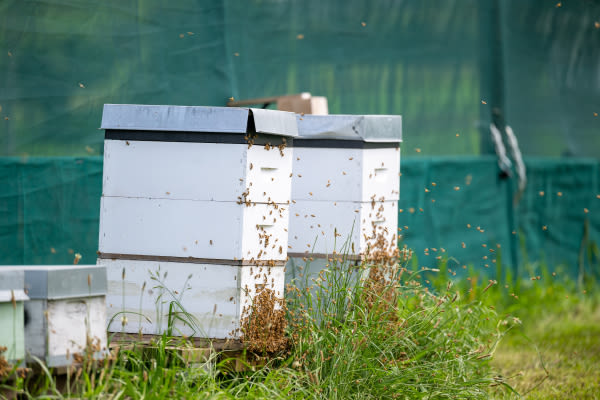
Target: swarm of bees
{"x": 262, "y": 322}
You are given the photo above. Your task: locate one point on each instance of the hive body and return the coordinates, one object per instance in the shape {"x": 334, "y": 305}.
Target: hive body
{"x": 201, "y": 194}
{"x": 345, "y": 185}
{"x": 66, "y": 313}
{"x": 213, "y": 296}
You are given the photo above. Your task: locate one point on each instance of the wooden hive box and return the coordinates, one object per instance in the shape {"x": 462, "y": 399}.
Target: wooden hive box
{"x": 209, "y": 299}
{"x": 66, "y": 314}
{"x": 199, "y": 192}
{"x": 346, "y": 184}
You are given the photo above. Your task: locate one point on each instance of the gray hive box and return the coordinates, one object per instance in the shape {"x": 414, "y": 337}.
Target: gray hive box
{"x": 12, "y": 321}
{"x": 345, "y": 182}
{"x": 198, "y": 192}
{"x": 66, "y": 311}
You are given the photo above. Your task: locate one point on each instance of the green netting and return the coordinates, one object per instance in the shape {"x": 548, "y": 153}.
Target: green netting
{"x": 51, "y": 206}
{"x": 49, "y": 209}
{"x": 448, "y": 66}
{"x": 556, "y": 220}
{"x": 442, "y": 197}
{"x": 433, "y": 61}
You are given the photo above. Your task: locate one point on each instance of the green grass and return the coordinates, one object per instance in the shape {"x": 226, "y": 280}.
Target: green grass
{"x": 554, "y": 350}
{"x": 390, "y": 337}
{"x": 373, "y": 332}
{"x": 556, "y": 356}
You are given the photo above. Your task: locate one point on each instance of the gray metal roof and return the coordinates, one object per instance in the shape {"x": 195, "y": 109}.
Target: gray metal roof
{"x": 6, "y": 296}
{"x": 60, "y": 281}
{"x": 12, "y": 284}
{"x": 366, "y": 128}
{"x": 197, "y": 119}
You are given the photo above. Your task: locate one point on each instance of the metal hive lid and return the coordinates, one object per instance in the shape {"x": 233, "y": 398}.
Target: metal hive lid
{"x": 198, "y": 119}
{"x": 11, "y": 278}
{"x": 6, "y": 296}
{"x": 12, "y": 284}
{"x": 61, "y": 281}
{"x": 366, "y": 128}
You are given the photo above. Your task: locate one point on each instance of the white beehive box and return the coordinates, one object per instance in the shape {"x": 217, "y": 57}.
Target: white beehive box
{"x": 12, "y": 317}
{"x": 66, "y": 311}
{"x": 214, "y": 296}
{"x": 345, "y": 185}
{"x": 197, "y": 183}
{"x": 322, "y": 227}
{"x": 199, "y": 192}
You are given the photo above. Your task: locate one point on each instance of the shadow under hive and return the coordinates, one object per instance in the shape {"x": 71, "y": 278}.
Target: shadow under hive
{"x": 194, "y": 215}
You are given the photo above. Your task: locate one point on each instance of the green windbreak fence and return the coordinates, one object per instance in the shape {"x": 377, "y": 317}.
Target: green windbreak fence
{"x": 450, "y": 67}
{"x": 436, "y": 62}
{"x": 461, "y": 209}
{"x": 50, "y": 210}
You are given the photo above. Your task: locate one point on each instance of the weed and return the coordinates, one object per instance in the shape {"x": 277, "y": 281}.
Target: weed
{"x": 374, "y": 330}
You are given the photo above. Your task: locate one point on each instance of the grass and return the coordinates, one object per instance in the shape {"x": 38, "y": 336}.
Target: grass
{"x": 381, "y": 331}
{"x": 554, "y": 351}
{"x": 556, "y": 357}
{"x": 389, "y": 336}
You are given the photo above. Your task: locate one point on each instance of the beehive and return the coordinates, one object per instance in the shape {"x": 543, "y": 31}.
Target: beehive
{"x": 213, "y": 296}
{"x": 66, "y": 313}
{"x": 200, "y": 191}
{"x": 12, "y": 316}
{"x": 345, "y": 185}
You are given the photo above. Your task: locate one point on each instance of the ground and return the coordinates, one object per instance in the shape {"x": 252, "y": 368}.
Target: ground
{"x": 568, "y": 363}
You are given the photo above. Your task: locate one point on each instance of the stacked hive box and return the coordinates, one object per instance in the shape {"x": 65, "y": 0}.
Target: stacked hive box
{"x": 345, "y": 186}
{"x": 66, "y": 312}
{"x": 195, "y": 211}
{"x": 12, "y": 318}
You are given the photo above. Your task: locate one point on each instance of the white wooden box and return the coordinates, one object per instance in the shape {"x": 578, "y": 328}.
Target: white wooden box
{"x": 12, "y": 316}
{"x": 196, "y": 171}
{"x": 66, "y": 310}
{"x": 190, "y": 229}
{"x": 196, "y": 183}
{"x": 213, "y": 296}
{"x": 347, "y": 174}
{"x": 347, "y": 158}
{"x": 322, "y": 227}
{"x": 345, "y": 184}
